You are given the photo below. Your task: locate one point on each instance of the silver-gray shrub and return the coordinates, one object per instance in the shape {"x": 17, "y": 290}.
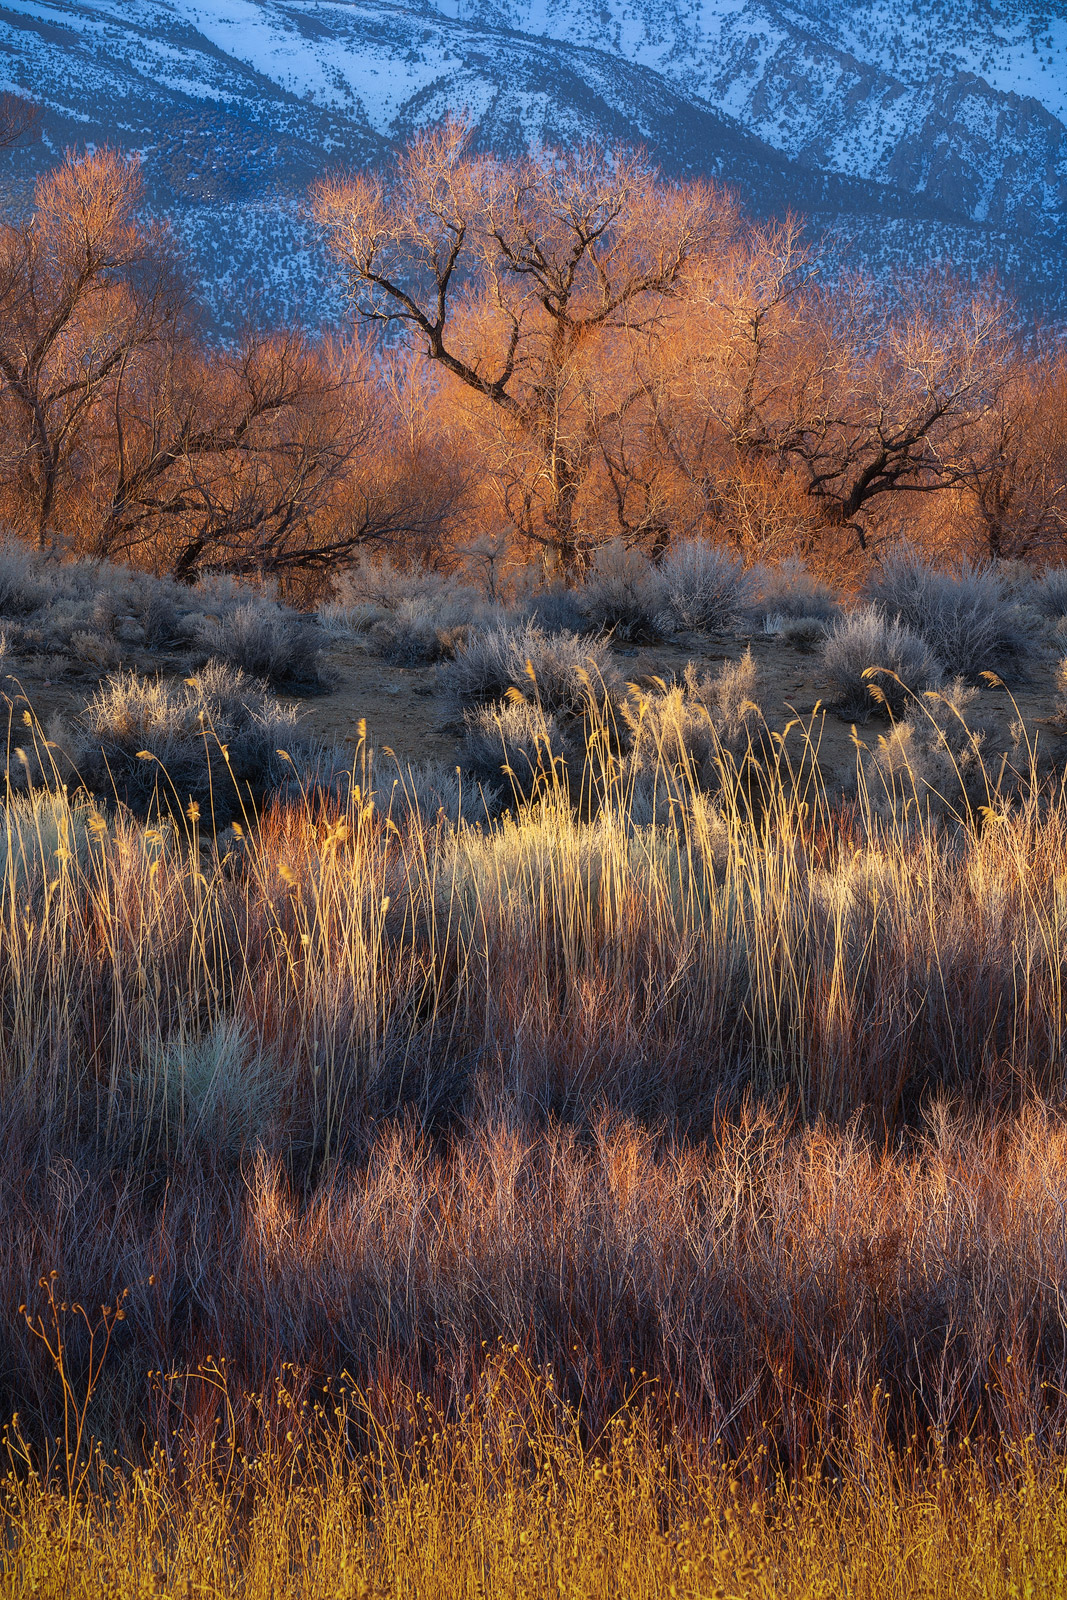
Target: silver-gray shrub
{"x": 380, "y": 583}
{"x": 1048, "y": 595}
{"x": 214, "y": 739}
{"x": 704, "y": 587}
{"x": 96, "y": 611}
{"x": 518, "y": 743}
{"x": 24, "y": 582}
{"x": 553, "y": 608}
{"x": 268, "y": 641}
{"x": 623, "y": 593}
{"x": 410, "y": 616}
{"x": 156, "y": 617}
{"x": 790, "y": 592}
{"x": 966, "y": 617}
{"x": 420, "y": 632}
{"x": 565, "y": 669}
{"x": 866, "y": 639}
{"x": 804, "y": 633}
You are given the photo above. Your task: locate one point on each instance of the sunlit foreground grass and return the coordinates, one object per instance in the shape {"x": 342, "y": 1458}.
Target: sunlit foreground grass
{"x": 508, "y": 1501}
{"x": 618, "y": 1130}
{"x": 649, "y": 952}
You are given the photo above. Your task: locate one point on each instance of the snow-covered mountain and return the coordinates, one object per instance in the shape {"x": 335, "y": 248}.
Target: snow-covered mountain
{"x": 962, "y": 100}
{"x": 913, "y": 132}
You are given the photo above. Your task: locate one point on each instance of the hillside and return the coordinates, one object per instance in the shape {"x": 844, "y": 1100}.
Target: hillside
{"x": 911, "y": 137}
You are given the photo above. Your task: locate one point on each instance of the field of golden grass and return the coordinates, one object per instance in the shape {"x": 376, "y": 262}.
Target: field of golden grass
{"x": 507, "y": 1502}
{"x": 582, "y": 1204}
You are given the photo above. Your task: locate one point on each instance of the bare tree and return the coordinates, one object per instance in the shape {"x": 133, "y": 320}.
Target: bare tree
{"x": 881, "y": 398}
{"x": 82, "y": 287}
{"x": 274, "y": 458}
{"x": 515, "y": 277}
{"x": 18, "y": 118}
{"x": 221, "y": 458}
{"x": 1016, "y": 487}
{"x": 889, "y": 397}
{"x": 126, "y": 433}
{"x": 726, "y": 364}
{"x": 849, "y": 393}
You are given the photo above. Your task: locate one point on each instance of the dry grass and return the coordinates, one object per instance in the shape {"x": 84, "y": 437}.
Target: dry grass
{"x": 625, "y": 1145}
{"x": 509, "y": 1500}
{"x": 765, "y": 943}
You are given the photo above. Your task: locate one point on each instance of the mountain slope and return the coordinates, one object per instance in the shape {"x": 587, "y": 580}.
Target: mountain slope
{"x": 235, "y": 105}
{"x": 964, "y": 100}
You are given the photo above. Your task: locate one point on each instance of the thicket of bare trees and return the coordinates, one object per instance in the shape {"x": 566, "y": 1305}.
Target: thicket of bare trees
{"x": 635, "y": 359}
{"x": 561, "y": 351}
{"x": 127, "y": 435}
{"x": 803, "y": 404}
